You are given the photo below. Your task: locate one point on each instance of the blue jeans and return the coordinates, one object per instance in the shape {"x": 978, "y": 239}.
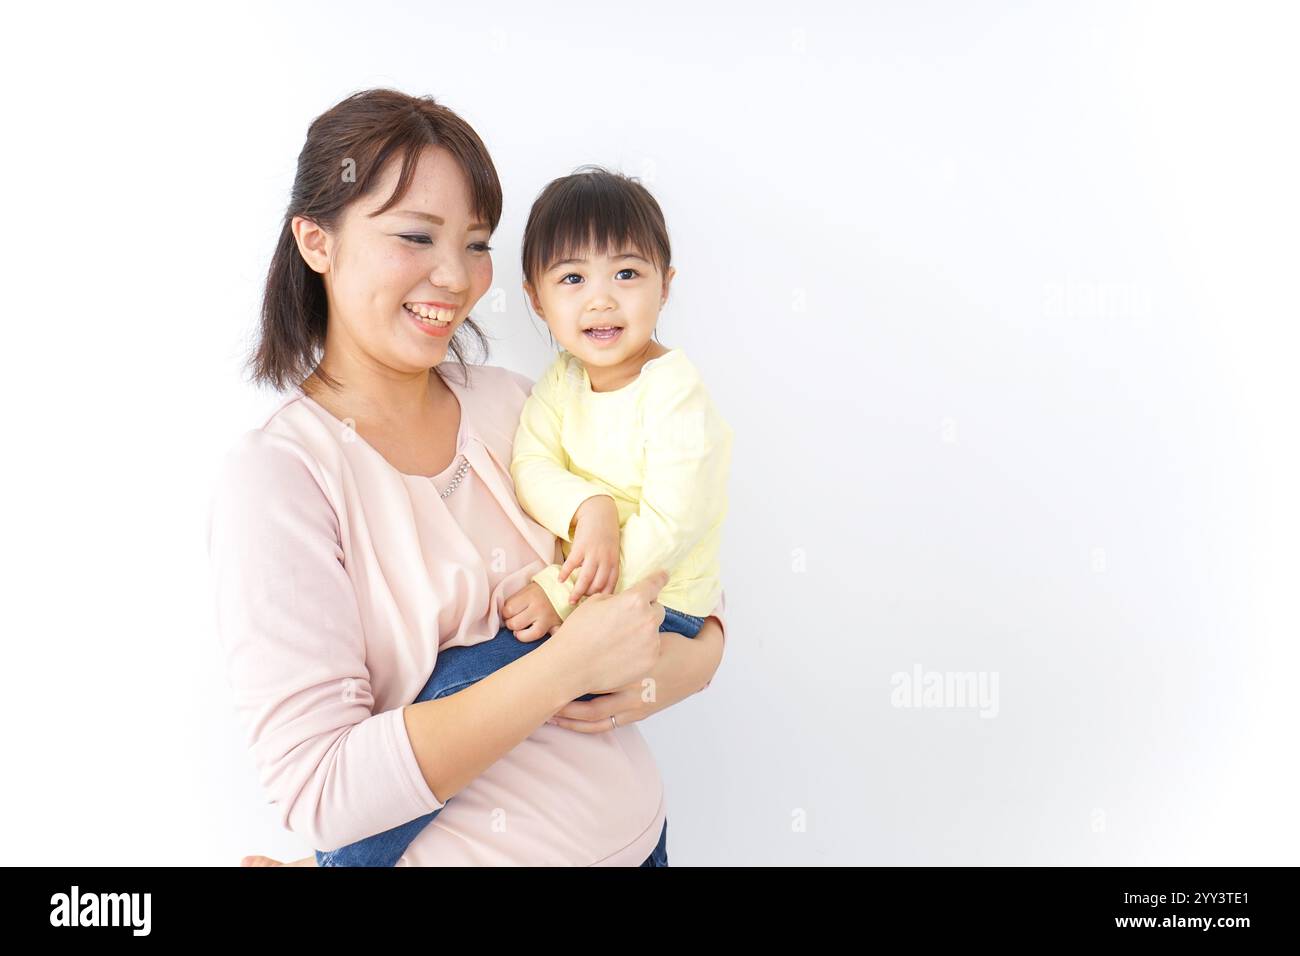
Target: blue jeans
{"x": 659, "y": 855}
{"x": 455, "y": 669}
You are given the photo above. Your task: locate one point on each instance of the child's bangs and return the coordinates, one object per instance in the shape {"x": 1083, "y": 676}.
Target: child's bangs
{"x": 581, "y": 233}
{"x": 593, "y": 212}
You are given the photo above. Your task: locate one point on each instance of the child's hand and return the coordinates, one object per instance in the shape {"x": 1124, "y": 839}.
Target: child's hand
{"x": 595, "y": 548}
{"x": 529, "y": 613}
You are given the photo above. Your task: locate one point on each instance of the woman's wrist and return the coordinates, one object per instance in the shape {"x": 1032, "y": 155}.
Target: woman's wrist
{"x": 571, "y": 677}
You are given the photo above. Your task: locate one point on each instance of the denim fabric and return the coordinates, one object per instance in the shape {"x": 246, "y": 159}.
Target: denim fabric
{"x": 455, "y": 669}
{"x": 659, "y": 855}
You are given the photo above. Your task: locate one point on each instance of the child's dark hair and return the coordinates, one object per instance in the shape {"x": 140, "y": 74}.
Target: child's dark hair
{"x": 593, "y": 210}
{"x": 361, "y": 134}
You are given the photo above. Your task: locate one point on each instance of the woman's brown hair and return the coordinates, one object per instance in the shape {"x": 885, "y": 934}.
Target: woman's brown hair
{"x": 347, "y": 149}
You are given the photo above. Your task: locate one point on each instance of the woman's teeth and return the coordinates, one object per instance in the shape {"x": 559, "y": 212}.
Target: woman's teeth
{"x": 436, "y": 317}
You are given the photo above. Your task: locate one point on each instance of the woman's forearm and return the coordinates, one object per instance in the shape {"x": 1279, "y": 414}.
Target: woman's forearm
{"x": 687, "y": 664}
{"x": 456, "y": 738}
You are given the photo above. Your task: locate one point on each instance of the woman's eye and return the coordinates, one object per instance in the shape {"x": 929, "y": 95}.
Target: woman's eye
{"x": 621, "y": 271}
{"x": 420, "y": 239}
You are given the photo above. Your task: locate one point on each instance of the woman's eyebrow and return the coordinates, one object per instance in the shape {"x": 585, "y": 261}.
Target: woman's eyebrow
{"x": 436, "y": 220}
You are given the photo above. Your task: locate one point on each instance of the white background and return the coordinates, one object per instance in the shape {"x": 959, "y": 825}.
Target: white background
{"x": 1000, "y": 299}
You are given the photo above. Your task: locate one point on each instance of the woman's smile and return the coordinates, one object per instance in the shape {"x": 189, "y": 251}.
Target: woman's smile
{"x": 431, "y": 318}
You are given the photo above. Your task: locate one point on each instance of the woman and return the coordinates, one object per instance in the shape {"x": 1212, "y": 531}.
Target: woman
{"x": 371, "y": 522}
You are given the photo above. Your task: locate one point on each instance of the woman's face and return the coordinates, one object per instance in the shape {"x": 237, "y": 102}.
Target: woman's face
{"x": 399, "y": 284}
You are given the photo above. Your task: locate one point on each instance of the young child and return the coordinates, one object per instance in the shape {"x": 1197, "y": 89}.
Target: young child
{"x": 619, "y": 451}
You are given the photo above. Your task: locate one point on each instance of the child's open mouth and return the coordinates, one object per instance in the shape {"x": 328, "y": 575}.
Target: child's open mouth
{"x": 603, "y": 334}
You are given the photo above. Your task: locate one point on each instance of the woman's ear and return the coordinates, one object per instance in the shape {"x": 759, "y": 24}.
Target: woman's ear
{"x": 313, "y": 243}
{"x": 668, "y": 278}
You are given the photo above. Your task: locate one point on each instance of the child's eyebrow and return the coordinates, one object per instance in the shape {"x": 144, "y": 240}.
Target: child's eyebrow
{"x": 621, "y": 255}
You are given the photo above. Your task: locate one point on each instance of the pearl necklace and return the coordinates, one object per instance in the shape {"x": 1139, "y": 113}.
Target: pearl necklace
{"x": 456, "y": 478}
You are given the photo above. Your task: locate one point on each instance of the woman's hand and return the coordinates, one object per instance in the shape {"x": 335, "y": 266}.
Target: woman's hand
{"x": 611, "y": 639}
{"x": 685, "y": 666}
{"x": 595, "y": 548}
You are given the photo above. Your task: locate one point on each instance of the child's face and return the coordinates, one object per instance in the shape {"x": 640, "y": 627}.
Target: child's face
{"x": 623, "y": 292}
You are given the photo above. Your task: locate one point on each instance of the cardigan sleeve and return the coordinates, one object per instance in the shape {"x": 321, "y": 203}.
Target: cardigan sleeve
{"x": 291, "y": 634}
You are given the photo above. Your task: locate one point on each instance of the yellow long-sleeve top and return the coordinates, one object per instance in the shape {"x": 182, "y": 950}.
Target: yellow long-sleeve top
{"x": 657, "y": 446}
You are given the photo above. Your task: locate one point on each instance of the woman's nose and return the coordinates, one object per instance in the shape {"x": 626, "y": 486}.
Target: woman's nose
{"x": 450, "y": 273}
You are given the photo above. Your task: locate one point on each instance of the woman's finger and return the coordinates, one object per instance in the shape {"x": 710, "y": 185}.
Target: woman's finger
{"x": 595, "y": 726}
{"x": 648, "y": 588}
{"x": 618, "y": 701}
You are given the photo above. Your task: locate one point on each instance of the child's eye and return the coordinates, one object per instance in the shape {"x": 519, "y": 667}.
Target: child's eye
{"x": 633, "y": 271}
{"x": 569, "y": 275}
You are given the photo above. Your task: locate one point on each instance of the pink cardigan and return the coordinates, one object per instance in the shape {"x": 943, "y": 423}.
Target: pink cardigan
{"x": 337, "y": 580}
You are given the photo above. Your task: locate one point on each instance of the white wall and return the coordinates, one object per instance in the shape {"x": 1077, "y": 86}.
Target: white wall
{"x": 1000, "y": 299}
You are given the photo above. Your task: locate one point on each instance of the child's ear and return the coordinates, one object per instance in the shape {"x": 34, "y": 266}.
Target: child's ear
{"x": 668, "y": 278}
{"x": 532, "y": 297}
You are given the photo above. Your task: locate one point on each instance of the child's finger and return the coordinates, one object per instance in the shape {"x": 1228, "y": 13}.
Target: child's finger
{"x": 576, "y": 594}
{"x": 573, "y": 561}
{"x": 529, "y": 633}
{"x": 584, "y": 582}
